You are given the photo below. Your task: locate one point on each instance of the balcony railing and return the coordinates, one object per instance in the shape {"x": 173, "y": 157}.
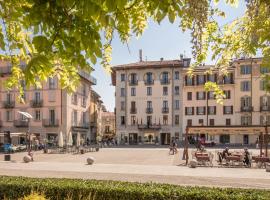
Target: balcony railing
{"x": 50, "y": 123}
{"x": 149, "y": 82}
{"x": 133, "y": 110}
{"x": 21, "y": 123}
{"x": 9, "y": 104}
{"x": 265, "y": 108}
{"x": 149, "y": 110}
{"x": 81, "y": 125}
{"x": 149, "y": 126}
{"x": 246, "y": 109}
{"x": 164, "y": 81}
{"x": 37, "y": 103}
{"x": 165, "y": 110}
{"x": 133, "y": 82}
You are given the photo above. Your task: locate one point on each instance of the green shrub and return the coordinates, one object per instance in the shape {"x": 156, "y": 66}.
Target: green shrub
{"x": 56, "y": 189}
{"x": 34, "y": 196}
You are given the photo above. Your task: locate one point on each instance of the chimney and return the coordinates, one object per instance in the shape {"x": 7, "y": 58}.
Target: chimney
{"x": 161, "y": 59}
{"x": 181, "y": 56}
{"x": 140, "y": 55}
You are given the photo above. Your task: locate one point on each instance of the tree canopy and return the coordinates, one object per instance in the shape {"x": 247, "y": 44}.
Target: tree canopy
{"x": 58, "y": 38}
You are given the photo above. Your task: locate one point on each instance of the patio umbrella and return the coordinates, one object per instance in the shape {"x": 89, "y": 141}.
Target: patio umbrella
{"x": 70, "y": 139}
{"x": 78, "y": 142}
{"x": 60, "y": 140}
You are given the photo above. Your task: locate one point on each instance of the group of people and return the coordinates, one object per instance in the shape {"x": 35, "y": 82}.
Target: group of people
{"x": 225, "y": 153}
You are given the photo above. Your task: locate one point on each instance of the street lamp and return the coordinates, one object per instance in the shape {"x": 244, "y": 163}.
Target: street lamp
{"x": 28, "y": 116}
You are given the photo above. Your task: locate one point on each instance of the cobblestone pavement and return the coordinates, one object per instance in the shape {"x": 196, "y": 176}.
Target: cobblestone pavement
{"x": 136, "y": 165}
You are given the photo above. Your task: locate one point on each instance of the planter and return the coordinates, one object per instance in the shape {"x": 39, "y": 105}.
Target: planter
{"x": 27, "y": 159}
{"x": 82, "y": 151}
{"x": 267, "y": 167}
{"x": 7, "y": 157}
{"x": 90, "y": 161}
{"x": 45, "y": 150}
{"x": 97, "y": 149}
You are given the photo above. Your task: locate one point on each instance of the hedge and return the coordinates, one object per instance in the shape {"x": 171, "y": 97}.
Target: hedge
{"x": 79, "y": 189}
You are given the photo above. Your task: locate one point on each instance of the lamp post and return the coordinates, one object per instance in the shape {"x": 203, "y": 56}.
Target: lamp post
{"x": 28, "y": 116}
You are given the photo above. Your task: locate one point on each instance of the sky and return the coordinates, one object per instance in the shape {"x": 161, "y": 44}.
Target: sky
{"x": 158, "y": 41}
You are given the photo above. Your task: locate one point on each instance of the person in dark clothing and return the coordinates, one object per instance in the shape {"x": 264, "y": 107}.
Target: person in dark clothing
{"x": 223, "y": 155}
{"x": 246, "y": 157}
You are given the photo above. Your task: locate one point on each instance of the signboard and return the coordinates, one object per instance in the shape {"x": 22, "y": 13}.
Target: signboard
{"x": 226, "y": 130}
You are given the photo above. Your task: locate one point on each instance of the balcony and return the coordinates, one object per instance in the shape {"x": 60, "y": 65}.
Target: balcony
{"x": 149, "y": 110}
{"x": 133, "y": 110}
{"x": 50, "y": 123}
{"x": 37, "y": 103}
{"x": 81, "y": 126}
{"x": 149, "y": 126}
{"x": 165, "y": 110}
{"x": 247, "y": 109}
{"x": 149, "y": 82}
{"x": 265, "y": 108}
{"x": 21, "y": 123}
{"x": 133, "y": 82}
{"x": 9, "y": 104}
{"x": 164, "y": 81}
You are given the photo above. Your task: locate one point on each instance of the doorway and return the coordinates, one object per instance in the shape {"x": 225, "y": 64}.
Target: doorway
{"x": 245, "y": 139}
{"x": 165, "y": 138}
{"x": 133, "y": 138}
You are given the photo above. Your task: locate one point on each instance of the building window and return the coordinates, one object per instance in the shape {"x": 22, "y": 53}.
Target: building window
{"x": 165, "y": 91}
{"x": 149, "y": 78}
{"x": 211, "y": 122}
{"x": 149, "y": 120}
{"x": 107, "y": 129}
{"x": 201, "y": 121}
{"x": 149, "y": 104}
{"x": 133, "y": 79}
{"x": 189, "y": 96}
{"x": 122, "y": 92}
{"x": 176, "y": 105}
{"x": 245, "y": 120}
{"x": 165, "y": 119}
{"x": 262, "y": 85}
{"x": 123, "y": 120}
{"x": 133, "y": 91}
{"x": 265, "y": 119}
{"x": 201, "y": 110}
{"x": 227, "y": 110}
{"x": 228, "y": 79}
{"x": 189, "y": 122}
{"x": 211, "y": 110}
{"x": 245, "y": 86}
{"x": 37, "y": 96}
{"x": 123, "y": 77}
{"x": 84, "y": 118}
{"x": 176, "y": 75}
{"x": 227, "y": 94}
{"x": 176, "y": 90}
{"x": 149, "y": 91}
{"x": 52, "y": 116}
{"x": 133, "y": 107}
{"x": 52, "y": 83}
{"x": 189, "y": 80}
{"x": 176, "y": 119}
{"x": 212, "y": 77}
{"x": 37, "y": 115}
{"x": 74, "y": 98}
{"x": 200, "y": 79}
{"x": 200, "y": 95}
{"x": 8, "y": 115}
{"x": 245, "y": 69}
{"x": 211, "y": 95}
{"x": 264, "y": 69}
{"x": 123, "y": 105}
{"x": 83, "y": 103}
{"x": 165, "y": 77}
{"x": 246, "y": 102}
{"x": 189, "y": 110}
{"x": 228, "y": 122}
{"x": 75, "y": 118}
{"x": 264, "y": 101}
{"x": 133, "y": 120}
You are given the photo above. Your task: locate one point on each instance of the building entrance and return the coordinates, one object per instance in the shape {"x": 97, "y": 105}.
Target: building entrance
{"x": 149, "y": 138}
{"x": 133, "y": 138}
{"x": 165, "y": 138}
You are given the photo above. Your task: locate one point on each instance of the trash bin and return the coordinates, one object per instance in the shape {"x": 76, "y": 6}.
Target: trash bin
{"x": 7, "y": 157}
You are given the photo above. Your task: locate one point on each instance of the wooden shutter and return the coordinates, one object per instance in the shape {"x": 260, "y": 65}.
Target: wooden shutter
{"x": 231, "y": 109}
{"x": 229, "y": 94}
{"x": 193, "y": 80}
{"x": 215, "y": 110}
{"x": 197, "y": 95}
{"x": 223, "y": 109}
{"x": 204, "y": 95}
{"x": 192, "y": 110}
{"x": 204, "y": 110}
{"x": 242, "y": 101}
{"x": 197, "y": 110}
{"x": 204, "y": 79}
{"x": 186, "y": 80}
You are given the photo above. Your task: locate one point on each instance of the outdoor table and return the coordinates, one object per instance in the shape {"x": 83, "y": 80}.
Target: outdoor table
{"x": 233, "y": 158}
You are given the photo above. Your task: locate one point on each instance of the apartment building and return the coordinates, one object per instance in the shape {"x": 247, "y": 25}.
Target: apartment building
{"x": 52, "y": 108}
{"x": 96, "y": 109}
{"x": 200, "y": 108}
{"x": 108, "y": 125}
{"x": 246, "y": 104}
{"x": 148, "y": 101}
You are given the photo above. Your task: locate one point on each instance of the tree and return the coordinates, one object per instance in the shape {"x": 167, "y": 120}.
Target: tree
{"x": 58, "y": 38}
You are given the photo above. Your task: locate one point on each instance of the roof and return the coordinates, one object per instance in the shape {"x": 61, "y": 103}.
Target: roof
{"x": 184, "y": 63}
